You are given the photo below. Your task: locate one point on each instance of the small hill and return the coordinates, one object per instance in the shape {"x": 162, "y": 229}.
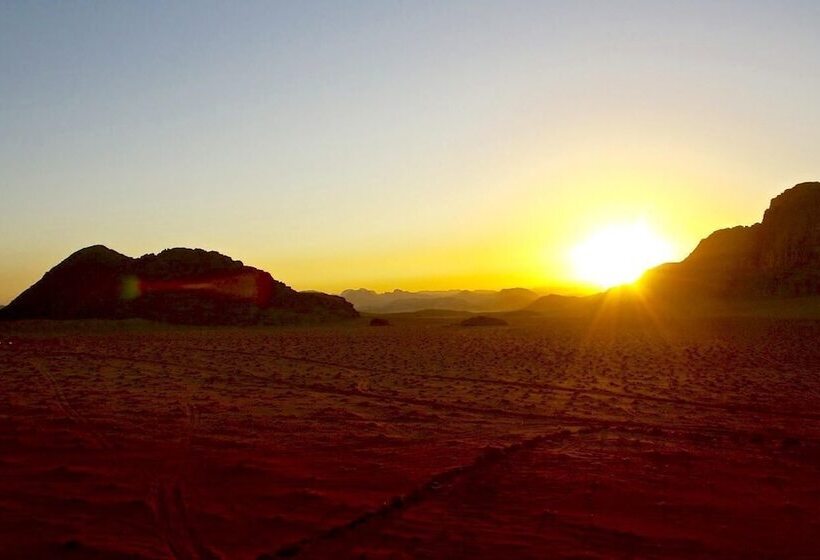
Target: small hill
{"x": 565, "y": 306}
{"x": 178, "y": 285}
{"x": 483, "y": 321}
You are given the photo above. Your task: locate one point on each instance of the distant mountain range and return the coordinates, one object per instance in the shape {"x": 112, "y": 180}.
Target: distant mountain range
{"x": 478, "y": 301}
{"x": 177, "y": 286}
{"x": 772, "y": 261}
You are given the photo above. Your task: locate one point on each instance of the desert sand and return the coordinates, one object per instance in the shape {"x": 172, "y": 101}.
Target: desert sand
{"x": 546, "y": 438}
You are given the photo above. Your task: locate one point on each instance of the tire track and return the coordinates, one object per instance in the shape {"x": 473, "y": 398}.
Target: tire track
{"x": 429, "y": 489}
{"x": 546, "y": 387}
{"x": 169, "y": 505}
{"x": 171, "y": 515}
{"x": 166, "y": 497}
{"x": 560, "y": 417}
{"x": 67, "y": 409}
{"x": 326, "y": 389}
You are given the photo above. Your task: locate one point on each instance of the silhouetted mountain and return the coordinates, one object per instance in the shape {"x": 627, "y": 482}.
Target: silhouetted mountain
{"x": 744, "y": 268}
{"x": 780, "y": 256}
{"x": 177, "y": 285}
{"x": 400, "y": 301}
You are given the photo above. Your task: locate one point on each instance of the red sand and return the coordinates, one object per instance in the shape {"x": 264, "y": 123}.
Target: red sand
{"x": 544, "y": 439}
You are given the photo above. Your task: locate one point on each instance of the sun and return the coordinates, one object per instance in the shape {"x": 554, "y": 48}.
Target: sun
{"x": 618, "y": 254}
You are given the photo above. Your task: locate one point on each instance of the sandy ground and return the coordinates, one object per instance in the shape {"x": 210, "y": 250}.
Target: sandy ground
{"x": 420, "y": 440}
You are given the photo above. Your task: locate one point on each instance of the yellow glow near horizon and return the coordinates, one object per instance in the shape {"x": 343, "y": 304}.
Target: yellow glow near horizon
{"x": 618, "y": 254}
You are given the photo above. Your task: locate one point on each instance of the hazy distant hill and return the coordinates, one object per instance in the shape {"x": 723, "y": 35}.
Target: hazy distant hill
{"x": 177, "y": 285}
{"x": 744, "y": 267}
{"x": 400, "y": 301}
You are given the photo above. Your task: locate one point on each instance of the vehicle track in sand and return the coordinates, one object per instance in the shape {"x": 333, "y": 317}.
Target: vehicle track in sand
{"x": 416, "y": 496}
{"x": 485, "y": 497}
{"x": 729, "y": 408}
{"x": 546, "y": 387}
{"x": 171, "y": 514}
{"x": 167, "y": 497}
{"x": 67, "y": 410}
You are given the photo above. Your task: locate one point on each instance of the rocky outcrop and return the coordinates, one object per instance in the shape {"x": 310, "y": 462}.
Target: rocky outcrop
{"x": 780, "y": 256}
{"x": 179, "y": 285}
{"x": 789, "y": 241}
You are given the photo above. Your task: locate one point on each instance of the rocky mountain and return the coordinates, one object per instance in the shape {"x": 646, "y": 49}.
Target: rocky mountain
{"x": 177, "y": 285}
{"x": 477, "y": 301}
{"x": 777, "y": 257}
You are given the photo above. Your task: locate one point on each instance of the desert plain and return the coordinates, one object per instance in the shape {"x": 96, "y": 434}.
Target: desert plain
{"x": 548, "y": 438}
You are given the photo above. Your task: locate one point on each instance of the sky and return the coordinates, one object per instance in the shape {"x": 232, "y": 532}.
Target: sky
{"x": 413, "y": 145}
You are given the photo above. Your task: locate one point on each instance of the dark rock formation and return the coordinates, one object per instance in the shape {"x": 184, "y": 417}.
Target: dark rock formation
{"x": 177, "y": 285}
{"x": 379, "y": 322}
{"x": 483, "y": 321}
{"x": 779, "y": 256}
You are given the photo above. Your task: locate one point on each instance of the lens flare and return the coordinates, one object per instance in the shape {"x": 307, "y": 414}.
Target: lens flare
{"x": 248, "y": 285}
{"x": 131, "y": 288}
